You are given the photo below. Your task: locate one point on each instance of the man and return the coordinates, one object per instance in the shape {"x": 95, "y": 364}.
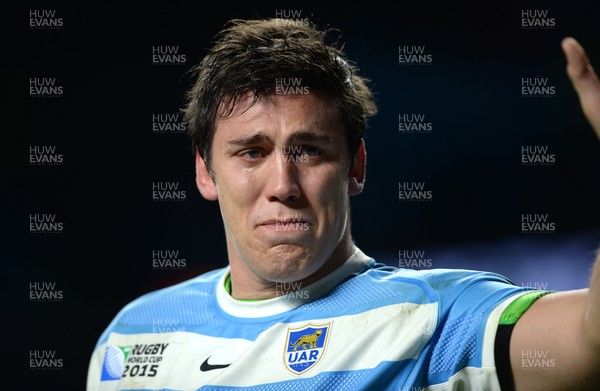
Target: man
{"x": 277, "y": 119}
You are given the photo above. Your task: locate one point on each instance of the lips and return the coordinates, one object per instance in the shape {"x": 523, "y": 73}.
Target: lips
{"x": 282, "y": 221}
{"x": 285, "y": 219}
{"x": 288, "y": 223}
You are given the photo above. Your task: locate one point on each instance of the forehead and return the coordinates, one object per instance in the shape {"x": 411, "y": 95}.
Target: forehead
{"x": 314, "y": 111}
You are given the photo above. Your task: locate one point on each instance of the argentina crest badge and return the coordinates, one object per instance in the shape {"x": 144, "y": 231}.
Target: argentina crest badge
{"x": 305, "y": 346}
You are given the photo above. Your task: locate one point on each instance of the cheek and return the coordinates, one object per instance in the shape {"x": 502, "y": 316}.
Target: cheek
{"x": 328, "y": 192}
{"x": 237, "y": 195}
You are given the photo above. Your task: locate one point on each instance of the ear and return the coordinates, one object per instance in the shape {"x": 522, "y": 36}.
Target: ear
{"x": 205, "y": 183}
{"x": 356, "y": 180}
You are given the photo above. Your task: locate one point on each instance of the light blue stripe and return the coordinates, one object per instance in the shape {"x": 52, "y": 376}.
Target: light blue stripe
{"x": 199, "y": 313}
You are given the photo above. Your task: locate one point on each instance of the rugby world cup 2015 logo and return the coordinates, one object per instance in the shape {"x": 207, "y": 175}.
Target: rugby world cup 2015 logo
{"x": 305, "y": 346}
{"x": 114, "y": 362}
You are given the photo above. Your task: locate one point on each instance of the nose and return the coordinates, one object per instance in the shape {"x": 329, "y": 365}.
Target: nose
{"x": 282, "y": 182}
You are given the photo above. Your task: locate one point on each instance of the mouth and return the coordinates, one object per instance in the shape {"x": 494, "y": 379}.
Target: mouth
{"x": 286, "y": 224}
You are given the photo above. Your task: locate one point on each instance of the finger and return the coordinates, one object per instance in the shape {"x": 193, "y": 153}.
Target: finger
{"x": 584, "y": 80}
{"x": 579, "y": 69}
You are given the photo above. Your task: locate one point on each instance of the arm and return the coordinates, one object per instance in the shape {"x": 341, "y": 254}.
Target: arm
{"x": 556, "y": 343}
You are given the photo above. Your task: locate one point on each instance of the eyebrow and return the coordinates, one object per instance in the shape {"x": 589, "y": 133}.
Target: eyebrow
{"x": 310, "y": 136}
{"x": 263, "y": 138}
{"x": 250, "y": 140}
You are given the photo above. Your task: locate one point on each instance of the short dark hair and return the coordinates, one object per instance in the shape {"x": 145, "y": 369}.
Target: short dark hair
{"x": 249, "y": 55}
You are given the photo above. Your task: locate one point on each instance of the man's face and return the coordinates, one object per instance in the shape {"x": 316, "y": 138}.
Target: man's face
{"x": 281, "y": 177}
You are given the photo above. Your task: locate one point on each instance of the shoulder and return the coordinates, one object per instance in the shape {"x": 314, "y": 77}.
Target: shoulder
{"x": 442, "y": 281}
{"x": 190, "y": 298}
{"x": 458, "y": 288}
{"x": 198, "y": 285}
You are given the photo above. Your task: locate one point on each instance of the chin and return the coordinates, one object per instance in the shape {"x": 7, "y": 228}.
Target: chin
{"x": 290, "y": 265}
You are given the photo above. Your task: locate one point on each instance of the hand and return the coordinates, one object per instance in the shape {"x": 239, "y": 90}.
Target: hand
{"x": 584, "y": 80}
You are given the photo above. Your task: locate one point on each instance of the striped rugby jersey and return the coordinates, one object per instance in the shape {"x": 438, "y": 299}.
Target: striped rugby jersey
{"x": 366, "y": 326}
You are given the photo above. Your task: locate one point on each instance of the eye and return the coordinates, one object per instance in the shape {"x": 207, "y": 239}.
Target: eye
{"x": 252, "y": 154}
{"x": 311, "y": 151}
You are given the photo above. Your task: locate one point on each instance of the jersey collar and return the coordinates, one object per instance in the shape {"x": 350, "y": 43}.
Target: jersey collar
{"x": 278, "y": 305}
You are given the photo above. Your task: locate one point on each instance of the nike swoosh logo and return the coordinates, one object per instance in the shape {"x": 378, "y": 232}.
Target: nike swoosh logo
{"x": 208, "y": 367}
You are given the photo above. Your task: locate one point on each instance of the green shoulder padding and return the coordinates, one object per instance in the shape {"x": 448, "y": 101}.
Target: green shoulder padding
{"x": 517, "y": 308}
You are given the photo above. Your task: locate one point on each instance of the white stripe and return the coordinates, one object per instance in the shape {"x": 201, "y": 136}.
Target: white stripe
{"x": 469, "y": 379}
{"x": 361, "y": 341}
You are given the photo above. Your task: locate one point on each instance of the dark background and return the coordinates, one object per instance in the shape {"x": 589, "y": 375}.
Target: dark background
{"x": 103, "y": 126}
